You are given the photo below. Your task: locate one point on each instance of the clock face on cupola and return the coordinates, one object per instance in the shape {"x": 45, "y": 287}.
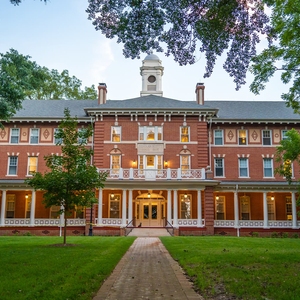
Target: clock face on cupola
{"x": 152, "y": 71}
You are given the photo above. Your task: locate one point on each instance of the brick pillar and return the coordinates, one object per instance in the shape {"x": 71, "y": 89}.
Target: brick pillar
{"x": 209, "y": 210}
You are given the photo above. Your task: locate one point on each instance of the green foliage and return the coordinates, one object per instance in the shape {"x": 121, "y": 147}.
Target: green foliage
{"x": 71, "y": 180}
{"x": 283, "y": 56}
{"x": 185, "y": 27}
{"x": 21, "y": 78}
{"x": 274, "y": 235}
{"x": 17, "y": 2}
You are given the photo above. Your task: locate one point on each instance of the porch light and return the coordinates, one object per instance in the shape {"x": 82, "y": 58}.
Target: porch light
{"x": 185, "y": 195}
{"x": 149, "y": 195}
{"x": 112, "y": 195}
{"x": 26, "y": 196}
{"x": 166, "y": 163}
{"x": 272, "y": 198}
{"x": 133, "y": 163}
{"x": 217, "y": 197}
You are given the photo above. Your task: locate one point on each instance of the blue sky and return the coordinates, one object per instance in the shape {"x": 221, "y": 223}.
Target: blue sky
{"x": 58, "y": 35}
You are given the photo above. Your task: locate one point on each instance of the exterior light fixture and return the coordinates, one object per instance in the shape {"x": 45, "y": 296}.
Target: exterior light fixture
{"x": 272, "y": 198}
{"x": 112, "y": 195}
{"x": 217, "y": 197}
{"x": 166, "y": 163}
{"x": 26, "y": 196}
{"x": 149, "y": 195}
{"x": 185, "y": 195}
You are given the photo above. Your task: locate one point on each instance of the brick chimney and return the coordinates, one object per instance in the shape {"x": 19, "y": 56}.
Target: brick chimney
{"x": 102, "y": 91}
{"x": 200, "y": 93}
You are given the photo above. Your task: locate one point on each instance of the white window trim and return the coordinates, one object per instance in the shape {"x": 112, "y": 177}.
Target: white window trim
{"x": 223, "y": 162}
{"x": 272, "y": 167}
{"x": 28, "y": 164}
{"x": 9, "y": 164}
{"x": 247, "y": 160}
{"x": 120, "y": 133}
{"x": 222, "y": 137}
{"x": 246, "y": 132}
{"x": 11, "y": 135}
{"x": 262, "y": 137}
{"x": 31, "y": 135}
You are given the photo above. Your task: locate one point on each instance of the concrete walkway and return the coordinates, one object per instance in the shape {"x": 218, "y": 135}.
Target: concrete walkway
{"x": 147, "y": 271}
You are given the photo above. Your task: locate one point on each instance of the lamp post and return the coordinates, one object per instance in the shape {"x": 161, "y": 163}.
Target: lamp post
{"x": 91, "y": 221}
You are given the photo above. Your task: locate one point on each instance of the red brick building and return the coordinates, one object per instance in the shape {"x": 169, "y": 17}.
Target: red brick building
{"x": 198, "y": 167}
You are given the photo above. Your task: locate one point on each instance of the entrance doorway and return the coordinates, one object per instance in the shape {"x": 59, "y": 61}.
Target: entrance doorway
{"x": 150, "y": 212}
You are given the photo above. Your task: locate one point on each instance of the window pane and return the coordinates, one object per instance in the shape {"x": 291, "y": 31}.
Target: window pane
{"x": 32, "y": 165}
{"x": 14, "y": 138}
{"x": 219, "y": 167}
{"x": 12, "y": 168}
{"x": 242, "y": 137}
{"x": 34, "y": 136}
{"x": 266, "y": 137}
{"x": 218, "y": 137}
{"x": 150, "y": 133}
{"x": 184, "y": 134}
{"x": 116, "y": 134}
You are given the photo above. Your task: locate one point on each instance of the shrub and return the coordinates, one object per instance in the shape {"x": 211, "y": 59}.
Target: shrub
{"x": 274, "y": 235}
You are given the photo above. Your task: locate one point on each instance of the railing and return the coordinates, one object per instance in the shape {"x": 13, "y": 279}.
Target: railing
{"x": 169, "y": 227}
{"x": 154, "y": 174}
{"x": 130, "y": 226}
{"x": 43, "y": 222}
{"x": 190, "y": 222}
{"x": 255, "y": 223}
{"x": 111, "y": 222}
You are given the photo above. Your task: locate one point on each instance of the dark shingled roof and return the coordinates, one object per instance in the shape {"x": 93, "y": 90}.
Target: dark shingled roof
{"x": 228, "y": 110}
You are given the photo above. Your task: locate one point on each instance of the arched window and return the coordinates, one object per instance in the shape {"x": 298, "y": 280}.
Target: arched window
{"x": 115, "y": 161}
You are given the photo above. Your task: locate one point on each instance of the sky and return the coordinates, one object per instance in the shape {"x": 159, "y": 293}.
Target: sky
{"x": 58, "y": 35}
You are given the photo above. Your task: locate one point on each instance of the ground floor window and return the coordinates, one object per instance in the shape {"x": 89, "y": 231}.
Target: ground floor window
{"x": 245, "y": 207}
{"x": 10, "y": 205}
{"x": 185, "y": 206}
{"x": 271, "y": 208}
{"x": 28, "y": 205}
{"x": 54, "y": 212}
{"x": 288, "y": 207}
{"x": 114, "y": 205}
{"x": 220, "y": 207}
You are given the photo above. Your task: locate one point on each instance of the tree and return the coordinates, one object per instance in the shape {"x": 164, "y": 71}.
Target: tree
{"x": 71, "y": 180}
{"x": 186, "y": 26}
{"x": 287, "y": 153}
{"x": 284, "y": 55}
{"x": 17, "y": 2}
{"x": 21, "y": 78}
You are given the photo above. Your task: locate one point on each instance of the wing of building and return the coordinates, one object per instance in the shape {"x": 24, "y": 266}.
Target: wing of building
{"x": 195, "y": 167}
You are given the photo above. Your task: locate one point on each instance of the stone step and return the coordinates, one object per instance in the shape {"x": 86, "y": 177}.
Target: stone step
{"x": 151, "y": 231}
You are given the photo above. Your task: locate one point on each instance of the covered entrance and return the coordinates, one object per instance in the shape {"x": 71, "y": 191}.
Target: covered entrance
{"x": 150, "y": 210}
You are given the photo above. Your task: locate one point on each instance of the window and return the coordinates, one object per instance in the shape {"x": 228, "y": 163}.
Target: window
{"x": 271, "y": 208}
{"x": 79, "y": 212}
{"x": 81, "y": 136}
{"x": 10, "y": 206}
{"x": 245, "y": 207}
{"x": 54, "y": 212}
{"x": 115, "y": 162}
{"x": 57, "y": 140}
{"x": 268, "y": 167}
{"x": 12, "y": 165}
{"x": 28, "y": 206}
{"x": 34, "y": 136}
{"x": 219, "y": 167}
{"x": 242, "y": 137}
{"x": 218, "y": 134}
{"x": 283, "y": 134}
{"x": 14, "y": 135}
{"x": 32, "y": 165}
{"x": 150, "y": 133}
{"x": 116, "y": 134}
{"x": 114, "y": 205}
{"x": 288, "y": 207}
{"x": 185, "y": 206}
{"x": 184, "y": 134}
{"x": 243, "y": 167}
{"x": 184, "y": 163}
{"x": 266, "y": 137}
{"x": 220, "y": 207}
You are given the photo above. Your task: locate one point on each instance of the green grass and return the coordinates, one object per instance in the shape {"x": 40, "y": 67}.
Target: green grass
{"x": 247, "y": 268}
{"x": 32, "y": 268}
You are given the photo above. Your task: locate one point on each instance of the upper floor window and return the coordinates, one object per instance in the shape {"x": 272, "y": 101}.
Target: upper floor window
{"x": 283, "y": 134}
{"x": 12, "y": 165}
{"x": 219, "y": 167}
{"x": 268, "y": 167}
{"x": 150, "y": 133}
{"x": 81, "y": 136}
{"x": 243, "y": 167}
{"x": 242, "y": 137}
{"x": 266, "y": 137}
{"x": 34, "y": 136}
{"x": 57, "y": 140}
{"x": 32, "y": 165}
{"x": 218, "y": 134}
{"x": 184, "y": 134}
{"x": 116, "y": 134}
{"x": 14, "y": 135}
{"x": 185, "y": 162}
{"x": 115, "y": 163}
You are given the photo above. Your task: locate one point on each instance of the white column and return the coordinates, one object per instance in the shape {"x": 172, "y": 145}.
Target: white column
{"x": 124, "y": 208}
{"x": 100, "y": 204}
{"x": 169, "y": 208}
{"x": 294, "y": 210}
{"x": 236, "y": 210}
{"x": 32, "y": 208}
{"x": 3, "y": 208}
{"x": 199, "y": 209}
{"x": 175, "y": 211}
{"x": 130, "y": 206}
{"x": 265, "y": 207}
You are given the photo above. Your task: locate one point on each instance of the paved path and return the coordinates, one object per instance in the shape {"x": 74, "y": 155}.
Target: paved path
{"x": 147, "y": 271}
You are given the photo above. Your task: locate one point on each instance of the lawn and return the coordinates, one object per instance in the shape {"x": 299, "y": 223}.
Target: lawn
{"x": 240, "y": 268}
{"x": 33, "y": 268}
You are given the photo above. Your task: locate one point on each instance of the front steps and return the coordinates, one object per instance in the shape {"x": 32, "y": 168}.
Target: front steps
{"x": 147, "y": 232}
